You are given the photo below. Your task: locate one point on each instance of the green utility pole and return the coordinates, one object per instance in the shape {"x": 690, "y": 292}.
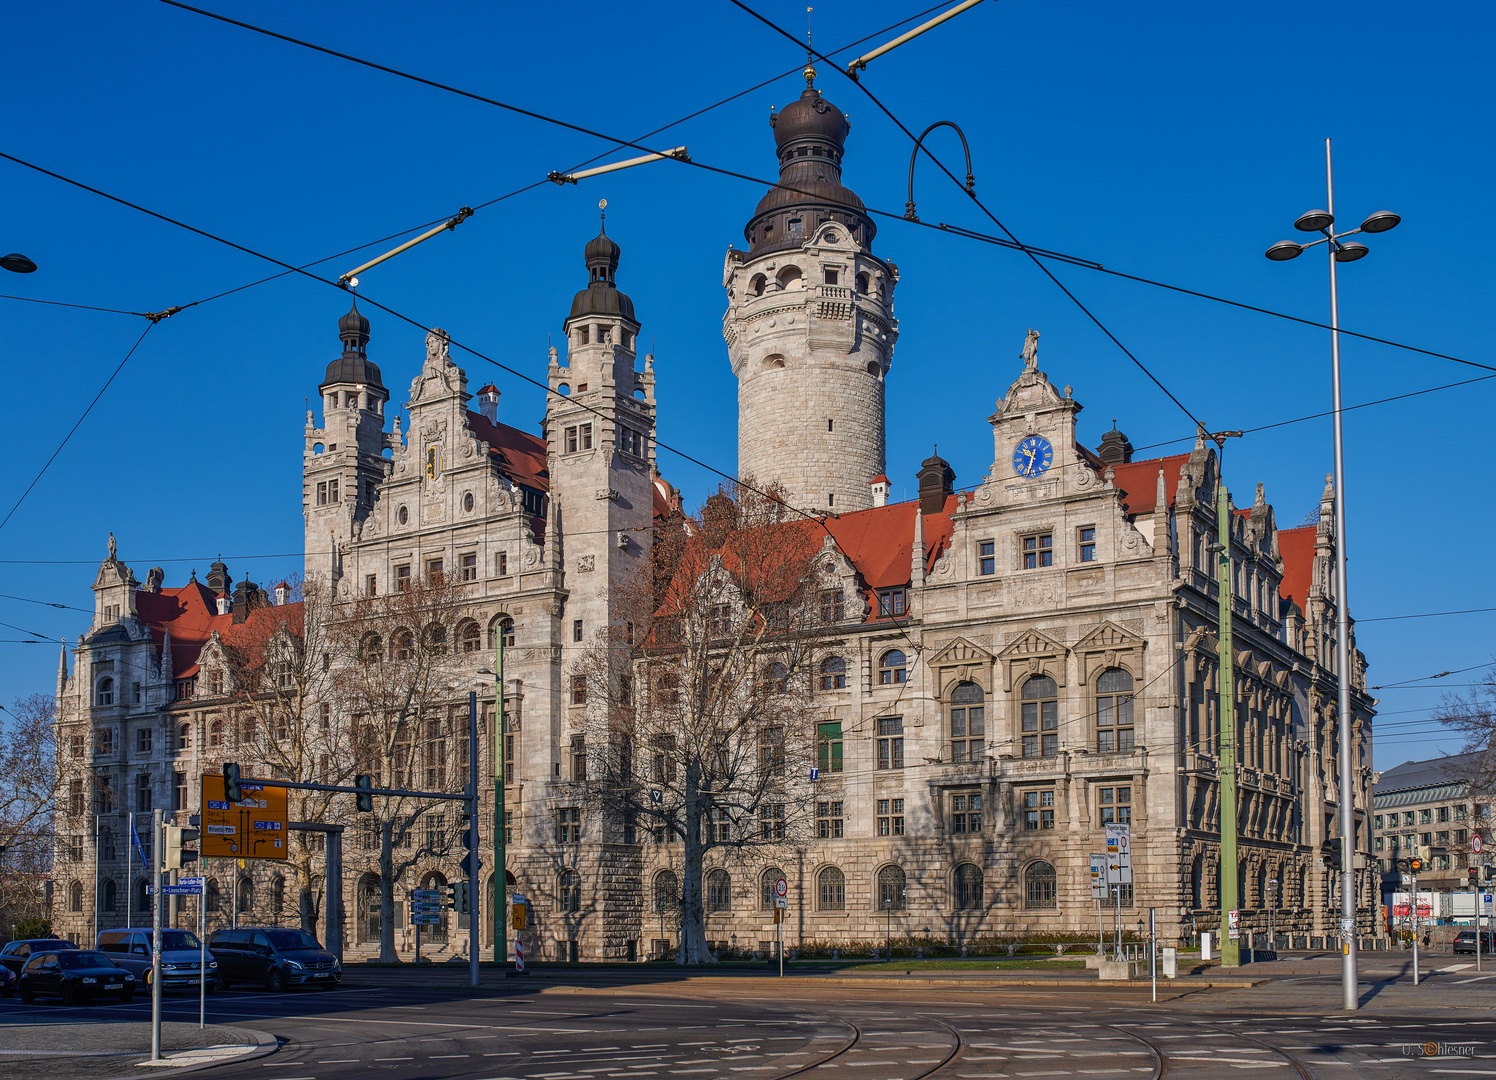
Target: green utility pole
{"x": 500, "y": 886}
{"x": 1230, "y": 952}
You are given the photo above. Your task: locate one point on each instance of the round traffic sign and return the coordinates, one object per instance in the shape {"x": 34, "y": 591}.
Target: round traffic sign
{"x": 1475, "y": 843}
{"x": 781, "y": 887}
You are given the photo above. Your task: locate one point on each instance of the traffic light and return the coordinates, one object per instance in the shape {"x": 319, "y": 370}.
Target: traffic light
{"x": 1415, "y": 865}
{"x": 467, "y": 850}
{"x": 1334, "y": 856}
{"x": 176, "y": 836}
{"x": 231, "y": 781}
{"x": 457, "y": 896}
{"x": 1474, "y": 877}
{"x": 1488, "y": 873}
{"x": 363, "y": 800}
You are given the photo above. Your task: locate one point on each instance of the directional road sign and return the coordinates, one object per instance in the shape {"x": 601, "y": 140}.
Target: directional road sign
{"x": 1098, "y": 875}
{"x": 1118, "y": 854}
{"x": 252, "y": 828}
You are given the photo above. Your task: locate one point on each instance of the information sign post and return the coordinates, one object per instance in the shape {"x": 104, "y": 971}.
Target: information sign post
{"x": 781, "y": 905}
{"x": 1098, "y": 891}
{"x": 1118, "y": 871}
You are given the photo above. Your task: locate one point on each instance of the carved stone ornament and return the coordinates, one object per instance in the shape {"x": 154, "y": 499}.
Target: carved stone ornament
{"x": 585, "y": 564}
{"x": 1033, "y": 665}
{"x": 531, "y": 557}
{"x": 1109, "y": 658}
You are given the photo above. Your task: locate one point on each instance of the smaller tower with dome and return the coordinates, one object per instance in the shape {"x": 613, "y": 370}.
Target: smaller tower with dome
{"x": 809, "y": 324}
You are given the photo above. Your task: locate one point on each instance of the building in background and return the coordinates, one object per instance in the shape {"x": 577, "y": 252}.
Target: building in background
{"x": 1017, "y": 663}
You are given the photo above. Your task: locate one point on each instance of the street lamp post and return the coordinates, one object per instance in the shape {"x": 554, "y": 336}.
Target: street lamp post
{"x": 1340, "y": 250}
{"x": 888, "y": 929}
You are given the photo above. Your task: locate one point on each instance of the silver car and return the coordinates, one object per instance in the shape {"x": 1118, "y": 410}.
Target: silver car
{"x": 180, "y": 957}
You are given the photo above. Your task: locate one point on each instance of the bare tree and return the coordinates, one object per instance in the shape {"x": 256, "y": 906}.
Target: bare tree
{"x": 280, "y": 683}
{"x": 699, "y": 724}
{"x": 1473, "y": 715}
{"x": 396, "y": 675}
{"x": 28, "y": 797}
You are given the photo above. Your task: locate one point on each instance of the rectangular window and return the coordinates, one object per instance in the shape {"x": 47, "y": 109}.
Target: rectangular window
{"x": 143, "y": 800}
{"x": 891, "y": 742}
{"x": 1442, "y": 838}
{"x": 1425, "y": 816}
{"x": 578, "y": 690}
{"x": 987, "y": 556}
{"x": 771, "y": 822}
{"x": 829, "y": 747}
{"x": 719, "y": 621}
{"x": 1376, "y": 845}
{"x": 579, "y": 758}
{"x": 1459, "y": 836}
{"x": 322, "y": 493}
{"x": 136, "y": 692}
{"x": 1038, "y": 551}
{"x": 143, "y": 739}
{"x": 830, "y": 276}
{"x": 892, "y": 601}
{"x": 718, "y": 826}
{"x": 1376, "y": 822}
{"x": 1460, "y": 813}
{"x": 585, "y": 433}
{"x": 467, "y": 566}
{"x": 829, "y": 821}
{"x": 890, "y": 817}
{"x": 75, "y": 798}
{"x": 371, "y": 585}
{"x": 434, "y": 570}
{"x": 968, "y": 732}
{"x": 832, "y": 606}
{"x": 576, "y": 630}
{"x": 1426, "y": 839}
{"x": 78, "y": 745}
{"x": 1407, "y": 817}
{"x": 534, "y": 502}
{"x": 586, "y": 334}
{"x": 179, "y": 791}
{"x": 508, "y": 826}
{"x": 1038, "y": 809}
{"x": 1443, "y": 813}
{"x": 501, "y": 563}
{"x": 1115, "y": 804}
{"x": 771, "y": 751}
{"x": 402, "y": 577}
{"x": 966, "y": 812}
{"x": 1088, "y": 544}
{"x": 571, "y": 440}
{"x": 569, "y": 825}
{"x": 631, "y": 441}
{"x": 104, "y": 740}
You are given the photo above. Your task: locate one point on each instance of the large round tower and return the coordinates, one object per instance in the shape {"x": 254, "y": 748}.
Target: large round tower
{"x": 809, "y": 325}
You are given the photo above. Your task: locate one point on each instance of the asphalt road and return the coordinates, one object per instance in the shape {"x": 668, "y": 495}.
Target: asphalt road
{"x": 765, "y": 1029}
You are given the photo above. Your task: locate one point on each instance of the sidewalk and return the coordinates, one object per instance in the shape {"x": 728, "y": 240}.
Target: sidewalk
{"x": 32, "y": 1047}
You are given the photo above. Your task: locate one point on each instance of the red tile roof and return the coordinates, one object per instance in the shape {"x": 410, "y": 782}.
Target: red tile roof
{"x": 1139, "y": 482}
{"x": 521, "y": 455}
{"x": 880, "y": 541}
{"x": 1297, "y": 548}
{"x": 190, "y": 613}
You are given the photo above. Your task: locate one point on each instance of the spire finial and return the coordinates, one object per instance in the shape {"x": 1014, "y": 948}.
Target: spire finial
{"x": 810, "y": 70}
{"x": 602, "y": 213}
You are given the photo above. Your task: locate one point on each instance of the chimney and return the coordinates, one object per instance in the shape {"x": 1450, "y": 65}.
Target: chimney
{"x": 878, "y": 485}
{"x": 282, "y": 594}
{"x": 488, "y": 403}
{"x": 937, "y": 482}
{"x": 224, "y": 603}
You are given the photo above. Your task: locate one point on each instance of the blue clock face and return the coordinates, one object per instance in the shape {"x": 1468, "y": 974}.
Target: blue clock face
{"x": 1033, "y": 456}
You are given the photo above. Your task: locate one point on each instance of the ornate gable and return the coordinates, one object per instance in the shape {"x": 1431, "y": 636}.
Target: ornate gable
{"x": 1109, "y": 645}
{"x": 1031, "y": 653}
{"x": 961, "y": 661}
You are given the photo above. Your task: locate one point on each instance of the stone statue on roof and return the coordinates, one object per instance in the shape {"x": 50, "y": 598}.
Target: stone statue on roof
{"x": 1031, "y": 350}
{"x": 438, "y": 347}
{"x": 111, "y": 545}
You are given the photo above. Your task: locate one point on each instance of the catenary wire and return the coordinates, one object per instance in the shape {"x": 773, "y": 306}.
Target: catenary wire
{"x": 1012, "y": 244}
{"x": 120, "y": 367}
{"x": 81, "y": 307}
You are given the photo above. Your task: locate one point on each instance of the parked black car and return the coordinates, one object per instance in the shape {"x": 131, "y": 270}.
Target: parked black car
{"x": 274, "y": 956}
{"x": 1464, "y": 942}
{"x": 8, "y": 982}
{"x": 15, "y": 953}
{"x": 76, "y": 975}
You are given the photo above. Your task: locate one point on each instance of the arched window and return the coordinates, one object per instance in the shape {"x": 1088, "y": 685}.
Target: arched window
{"x": 214, "y": 896}
{"x": 968, "y": 722}
{"x": 368, "y": 909}
{"x": 1039, "y": 886}
{"x": 893, "y": 668}
{"x": 777, "y": 676}
{"x": 1114, "y": 710}
{"x": 891, "y": 892}
{"x": 833, "y": 673}
{"x": 501, "y": 624}
{"x": 773, "y": 362}
{"x": 184, "y": 737}
{"x": 371, "y": 648}
{"x": 831, "y": 890}
{"x": 469, "y": 637}
{"x": 215, "y": 733}
{"x": 142, "y": 897}
{"x": 766, "y": 882}
{"x": 862, "y": 283}
{"x": 570, "y": 888}
{"x": 1041, "y": 717}
{"x": 435, "y": 639}
{"x": 718, "y": 891}
{"x": 111, "y": 893}
{"x": 758, "y": 284}
{"x": 968, "y": 887}
{"x": 277, "y": 895}
{"x": 105, "y": 694}
{"x": 666, "y": 892}
{"x": 75, "y": 897}
{"x": 790, "y": 278}
{"x": 246, "y": 901}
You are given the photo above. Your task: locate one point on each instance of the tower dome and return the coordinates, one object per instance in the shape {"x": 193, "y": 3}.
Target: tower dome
{"x": 353, "y": 366}
{"x": 810, "y": 136}
{"x": 601, "y": 296}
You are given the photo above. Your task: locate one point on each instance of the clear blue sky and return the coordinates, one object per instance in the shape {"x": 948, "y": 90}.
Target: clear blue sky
{"x": 1175, "y": 141}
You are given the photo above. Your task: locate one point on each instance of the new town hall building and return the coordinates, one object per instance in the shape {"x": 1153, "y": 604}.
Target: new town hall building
{"x": 1020, "y": 662}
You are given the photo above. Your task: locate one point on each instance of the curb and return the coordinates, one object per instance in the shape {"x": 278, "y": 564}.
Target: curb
{"x": 265, "y": 1045}
{"x": 887, "y": 981}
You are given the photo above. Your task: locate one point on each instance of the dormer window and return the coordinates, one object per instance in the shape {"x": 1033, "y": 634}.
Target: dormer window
{"x": 584, "y": 335}
{"x": 797, "y": 225}
{"x": 831, "y": 276}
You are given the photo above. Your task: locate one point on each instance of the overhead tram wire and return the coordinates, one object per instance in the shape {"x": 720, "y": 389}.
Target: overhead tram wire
{"x": 1009, "y": 243}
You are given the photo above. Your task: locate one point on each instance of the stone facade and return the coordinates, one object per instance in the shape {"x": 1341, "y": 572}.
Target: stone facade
{"x": 1023, "y": 661}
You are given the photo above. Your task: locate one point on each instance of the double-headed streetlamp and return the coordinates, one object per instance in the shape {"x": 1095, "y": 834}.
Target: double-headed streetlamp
{"x": 1340, "y": 250}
